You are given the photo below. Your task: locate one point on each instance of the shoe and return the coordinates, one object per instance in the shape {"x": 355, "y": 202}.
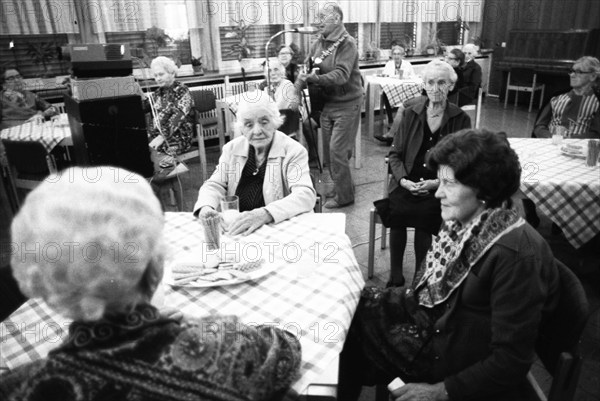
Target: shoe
{"x": 333, "y": 204}
{"x": 388, "y": 140}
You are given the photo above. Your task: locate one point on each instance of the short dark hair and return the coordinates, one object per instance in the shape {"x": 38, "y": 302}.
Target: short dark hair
{"x": 460, "y": 56}
{"x": 482, "y": 160}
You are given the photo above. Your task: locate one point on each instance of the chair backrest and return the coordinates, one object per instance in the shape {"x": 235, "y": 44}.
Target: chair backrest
{"x": 523, "y": 76}
{"x": 291, "y": 123}
{"x": 561, "y": 331}
{"x": 204, "y": 100}
{"x": 27, "y": 157}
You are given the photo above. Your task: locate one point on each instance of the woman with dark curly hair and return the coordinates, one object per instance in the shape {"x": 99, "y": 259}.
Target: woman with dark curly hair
{"x": 466, "y": 328}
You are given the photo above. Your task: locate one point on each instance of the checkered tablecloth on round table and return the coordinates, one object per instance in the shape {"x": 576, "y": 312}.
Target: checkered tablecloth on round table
{"x": 562, "y": 187}
{"x": 48, "y": 134}
{"x": 313, "y": 292}
{"x": 399, "y": 90}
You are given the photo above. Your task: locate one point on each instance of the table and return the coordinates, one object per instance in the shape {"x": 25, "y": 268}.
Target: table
{"x": 49, "y": 134}
{"x": 397, "y": 91}
{"x": 313, "y": 292}
{"x": 562, "y": 187}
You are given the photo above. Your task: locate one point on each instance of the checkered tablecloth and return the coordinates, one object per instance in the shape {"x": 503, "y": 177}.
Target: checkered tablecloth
{"x": 49, "y": 134}
{"x": 313, "y": 292}
{"x": 562, "y": 187}
{"x": 398, "y": 90}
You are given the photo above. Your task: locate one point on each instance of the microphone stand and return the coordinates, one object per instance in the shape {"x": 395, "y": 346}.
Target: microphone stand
{"x": 304, "y": 31}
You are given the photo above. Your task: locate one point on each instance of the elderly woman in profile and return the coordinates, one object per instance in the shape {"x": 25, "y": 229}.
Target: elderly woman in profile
{"x": 466, "y": 327}
{"x": 411, "y": 191}
{"x": 173, "y": 126}
{"x": 265, "y": 168}
{"x": 108, "y": 265}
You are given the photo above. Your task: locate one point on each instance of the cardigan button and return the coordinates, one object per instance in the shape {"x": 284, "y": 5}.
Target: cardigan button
{"x": 437, "y": 331}
{"x": 437, "y": 357}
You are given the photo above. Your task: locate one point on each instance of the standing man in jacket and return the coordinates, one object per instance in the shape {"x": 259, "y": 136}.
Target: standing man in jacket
{"x": 335, "y": 74}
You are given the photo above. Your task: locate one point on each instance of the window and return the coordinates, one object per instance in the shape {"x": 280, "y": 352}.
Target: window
{"x": 402, "y": 33}
{"x": 257, "y": 36}
{"x": 448, "y": 32}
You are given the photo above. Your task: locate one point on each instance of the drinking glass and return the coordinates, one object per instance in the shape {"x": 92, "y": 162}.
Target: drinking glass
{"x": 558, "y": 132}
{"x": 230, "y": 209}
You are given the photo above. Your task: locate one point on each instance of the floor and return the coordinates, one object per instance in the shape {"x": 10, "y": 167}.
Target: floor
{"x": 369, "y": 187}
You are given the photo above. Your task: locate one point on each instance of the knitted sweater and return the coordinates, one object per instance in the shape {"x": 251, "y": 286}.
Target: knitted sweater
{"x": 143, "y": 356}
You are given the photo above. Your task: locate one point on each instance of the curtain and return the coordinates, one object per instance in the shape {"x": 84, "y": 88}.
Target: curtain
{"x": 429, "y": 10}
{"x": 122, "y": 15}
{"x": 254, "y": 12}
{"x": 31, "y": 17}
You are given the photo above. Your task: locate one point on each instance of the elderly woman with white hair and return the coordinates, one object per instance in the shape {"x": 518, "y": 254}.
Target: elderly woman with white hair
{"x": 105, "y": 261}
{"x": 285, "y": 94}
{"x": 173, "y": 118}
{"x": 411, "y": 201}
{"x": 265, "y": 168}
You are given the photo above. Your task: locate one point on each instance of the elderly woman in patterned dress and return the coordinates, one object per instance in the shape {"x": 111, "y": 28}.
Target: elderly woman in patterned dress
{"x": 173, "y": 109}
{"x": 119, "y": 346}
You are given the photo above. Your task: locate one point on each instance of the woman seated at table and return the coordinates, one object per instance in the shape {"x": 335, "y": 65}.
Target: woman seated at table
{"x": 397, "y": 66}
{"x": 173, "y": 125}
{"x": 577, "y": 110}
{"x": 466, "y": 327}
{"x": 265, "y": 168}
{"x": 284, "y": 92}
{"x": 105, "y": 264}
{"x": 411, "y": 200}
{"x": 19, "y": 105}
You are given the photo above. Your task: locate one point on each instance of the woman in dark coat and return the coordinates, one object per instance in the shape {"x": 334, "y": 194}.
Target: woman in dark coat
{"x": 411, "y": 199}
{"x": 466, "y": 328}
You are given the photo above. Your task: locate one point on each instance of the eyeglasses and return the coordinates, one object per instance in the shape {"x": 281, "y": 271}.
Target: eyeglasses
{"x": 13, "y": 77}
{"x": 284, "y": 53}
{"x": 579, "y": 72}
{"x": 440, "y": 83}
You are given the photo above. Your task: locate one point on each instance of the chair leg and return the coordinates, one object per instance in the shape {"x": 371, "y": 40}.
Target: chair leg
{"x": 371, "y": 257}
{"x": 516, "y": 98}
{"x": 541, "y": 98}
{"x": 383, "y": 236}
{"x": 531, "y": 100}
{"x": 506, "y": 95}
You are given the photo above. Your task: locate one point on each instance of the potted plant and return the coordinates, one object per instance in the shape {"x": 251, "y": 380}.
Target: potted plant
{"x": 434, "y": 44}
{"x": 407, "y": 43}
{"x": 42, "y": 53}
{"x": 197, "y": 65}
{"x": 158, "y": 37}
{"x": 242, "y": 48}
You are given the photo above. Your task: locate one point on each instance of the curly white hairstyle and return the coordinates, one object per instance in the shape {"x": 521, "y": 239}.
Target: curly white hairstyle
{"x": 89, "y": 242}
{"x": 434, "y": 66}
{"x": 166, "y": 63}
{"x": 252, "y": 102}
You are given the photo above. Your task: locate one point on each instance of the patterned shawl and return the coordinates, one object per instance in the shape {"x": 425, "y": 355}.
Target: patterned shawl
{"x": 456, "y": 250}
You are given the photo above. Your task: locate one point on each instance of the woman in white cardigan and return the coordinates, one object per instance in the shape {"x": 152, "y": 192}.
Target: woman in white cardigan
{"x": 265, "y": 168}
{"x": 397, "y": 65}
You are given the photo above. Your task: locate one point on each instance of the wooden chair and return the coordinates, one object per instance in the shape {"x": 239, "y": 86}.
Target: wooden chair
{"x": 523, "y": 79}
{"x": 476, "y": 108}
{"x": 559, "y": 338}
{"x": 373, "y": 220}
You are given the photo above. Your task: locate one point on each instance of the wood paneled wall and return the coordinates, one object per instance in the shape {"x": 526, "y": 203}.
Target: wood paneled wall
{"x": 502, "y": 16}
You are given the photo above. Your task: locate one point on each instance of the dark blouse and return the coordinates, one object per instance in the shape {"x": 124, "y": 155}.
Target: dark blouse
{"x": 420, "y": 171}
{"x": 250, "y": 187}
